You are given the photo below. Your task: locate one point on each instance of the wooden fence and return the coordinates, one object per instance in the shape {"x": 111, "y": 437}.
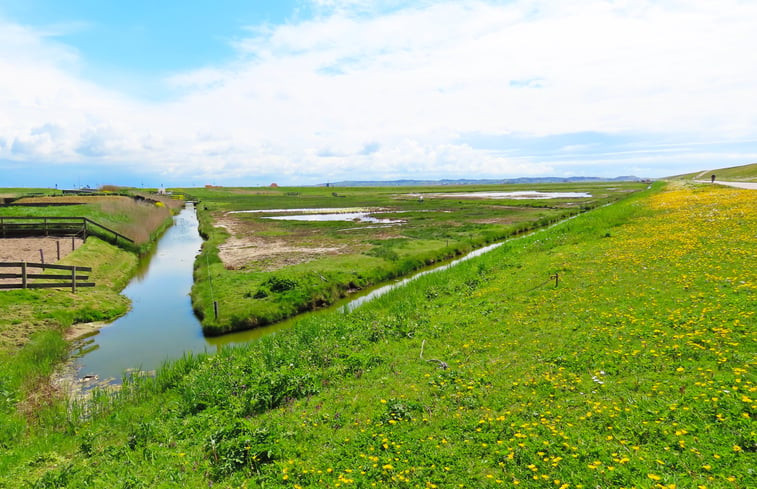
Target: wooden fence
{"x": 15, "y": 227}
{"x": 72, "y": 279}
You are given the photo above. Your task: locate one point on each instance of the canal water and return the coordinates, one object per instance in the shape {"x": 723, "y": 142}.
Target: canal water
{"x": 161, "y": 324}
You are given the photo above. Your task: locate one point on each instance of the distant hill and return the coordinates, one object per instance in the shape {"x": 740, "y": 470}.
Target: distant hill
{"x": 742, "y": 173}
{"x": 463, "y": 181}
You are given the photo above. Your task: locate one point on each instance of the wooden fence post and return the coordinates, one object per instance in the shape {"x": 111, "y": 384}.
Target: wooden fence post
{"x": 73, "y": 279}
{"x": 57, "y": 245}
{"x": 215, "y": 308}
{"x": 42, "y": 257}
{"x": 23, "y": 274}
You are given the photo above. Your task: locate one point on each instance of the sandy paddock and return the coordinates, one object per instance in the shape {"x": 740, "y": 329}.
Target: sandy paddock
{"x": 27, "y": 249}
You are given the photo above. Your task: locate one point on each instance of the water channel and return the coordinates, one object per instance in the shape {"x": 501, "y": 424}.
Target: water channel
{"x": 161, "y": 324}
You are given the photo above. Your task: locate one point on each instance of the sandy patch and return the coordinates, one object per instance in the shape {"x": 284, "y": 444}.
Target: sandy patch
{"x": 28, "y": 250}
{"x": 242, "y": 249}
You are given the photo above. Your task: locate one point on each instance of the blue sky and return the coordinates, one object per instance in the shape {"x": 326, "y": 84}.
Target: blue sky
{"x": 309, "y": 91}
{"x": 133, "y": 45}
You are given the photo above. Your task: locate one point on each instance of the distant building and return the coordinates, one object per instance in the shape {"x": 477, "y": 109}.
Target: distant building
{"x": 274, "y": 185}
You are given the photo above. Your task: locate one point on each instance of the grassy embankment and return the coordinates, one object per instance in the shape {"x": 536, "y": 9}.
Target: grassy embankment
{"x": 142, "y": 222}
{"x": 33, "y": 321}
{"x": 324, "y": 261}
{"x": 636, "y": 371}
{"x": 742, "y": 173}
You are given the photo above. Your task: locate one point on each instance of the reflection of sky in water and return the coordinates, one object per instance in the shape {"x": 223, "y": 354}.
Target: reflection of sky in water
{"x": 311, "y": 210}
{"x": 520, "y": 195}
{"x": 343, "y": 216}
{"x": 161, "y": 324}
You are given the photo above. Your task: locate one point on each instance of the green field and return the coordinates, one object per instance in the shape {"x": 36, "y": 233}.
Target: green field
{"x": 637, "y": 370}
{"x": 295, "y": 266}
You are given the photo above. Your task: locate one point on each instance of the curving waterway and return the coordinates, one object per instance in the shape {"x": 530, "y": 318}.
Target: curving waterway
{"x": 161, "y": 324}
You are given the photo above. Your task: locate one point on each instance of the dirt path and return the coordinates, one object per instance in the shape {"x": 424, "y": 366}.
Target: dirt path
{"x": 746, "y": 185}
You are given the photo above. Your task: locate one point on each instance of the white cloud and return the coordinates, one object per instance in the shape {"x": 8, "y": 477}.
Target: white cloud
{"x": 306, "y": 99}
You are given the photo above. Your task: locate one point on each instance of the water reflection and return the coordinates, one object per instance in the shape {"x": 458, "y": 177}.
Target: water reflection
{"x": 161, "y": 323}
{"x": 344, "y": 216}
{"x": 520, "y": 195}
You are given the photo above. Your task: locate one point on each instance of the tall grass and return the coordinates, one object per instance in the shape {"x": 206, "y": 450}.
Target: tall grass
{"x": 24, "y": 388}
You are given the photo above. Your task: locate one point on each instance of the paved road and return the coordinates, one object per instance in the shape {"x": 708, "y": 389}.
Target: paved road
{"x": 747, "y": 185}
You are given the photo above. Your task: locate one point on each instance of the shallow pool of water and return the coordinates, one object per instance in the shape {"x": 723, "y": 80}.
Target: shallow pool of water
{"x": 520, "y": 195}
{"x": 308, "y": 210}
{"x": 342, "y": 216}
{"x": 349, "y": 214}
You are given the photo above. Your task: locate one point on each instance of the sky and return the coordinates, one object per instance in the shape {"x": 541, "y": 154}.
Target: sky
{"x": 301, "y": 92}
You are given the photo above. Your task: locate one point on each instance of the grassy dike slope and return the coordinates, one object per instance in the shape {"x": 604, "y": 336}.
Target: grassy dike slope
{"x": 636, "y": 371}
{"x": 741, "y": 173}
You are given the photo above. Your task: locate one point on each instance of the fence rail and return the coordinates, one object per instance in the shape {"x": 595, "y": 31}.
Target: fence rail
{"x": 73, "y": 280}
{"x": 19, "y": 226}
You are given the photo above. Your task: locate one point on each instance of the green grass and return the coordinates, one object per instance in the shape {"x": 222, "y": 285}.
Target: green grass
{"x": 741, "y": 173}
{"x": 360, "y": 255}
{"x": 34, "y": 309}
{"x": 22, "y": 191}
{"x": 636, "y": 371}
{"x": 33, "y": 324}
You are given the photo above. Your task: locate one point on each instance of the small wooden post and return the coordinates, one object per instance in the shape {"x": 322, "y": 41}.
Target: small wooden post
{"x": 41, "y": 256}
{"x": 73, "y": 279}
{"x": 23, "y": 274}
{"x": 215, "y": 308}
{"x": 57, "y": 246}
{"x": 557, "y": 279}
{"x": 73, "y": 243}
